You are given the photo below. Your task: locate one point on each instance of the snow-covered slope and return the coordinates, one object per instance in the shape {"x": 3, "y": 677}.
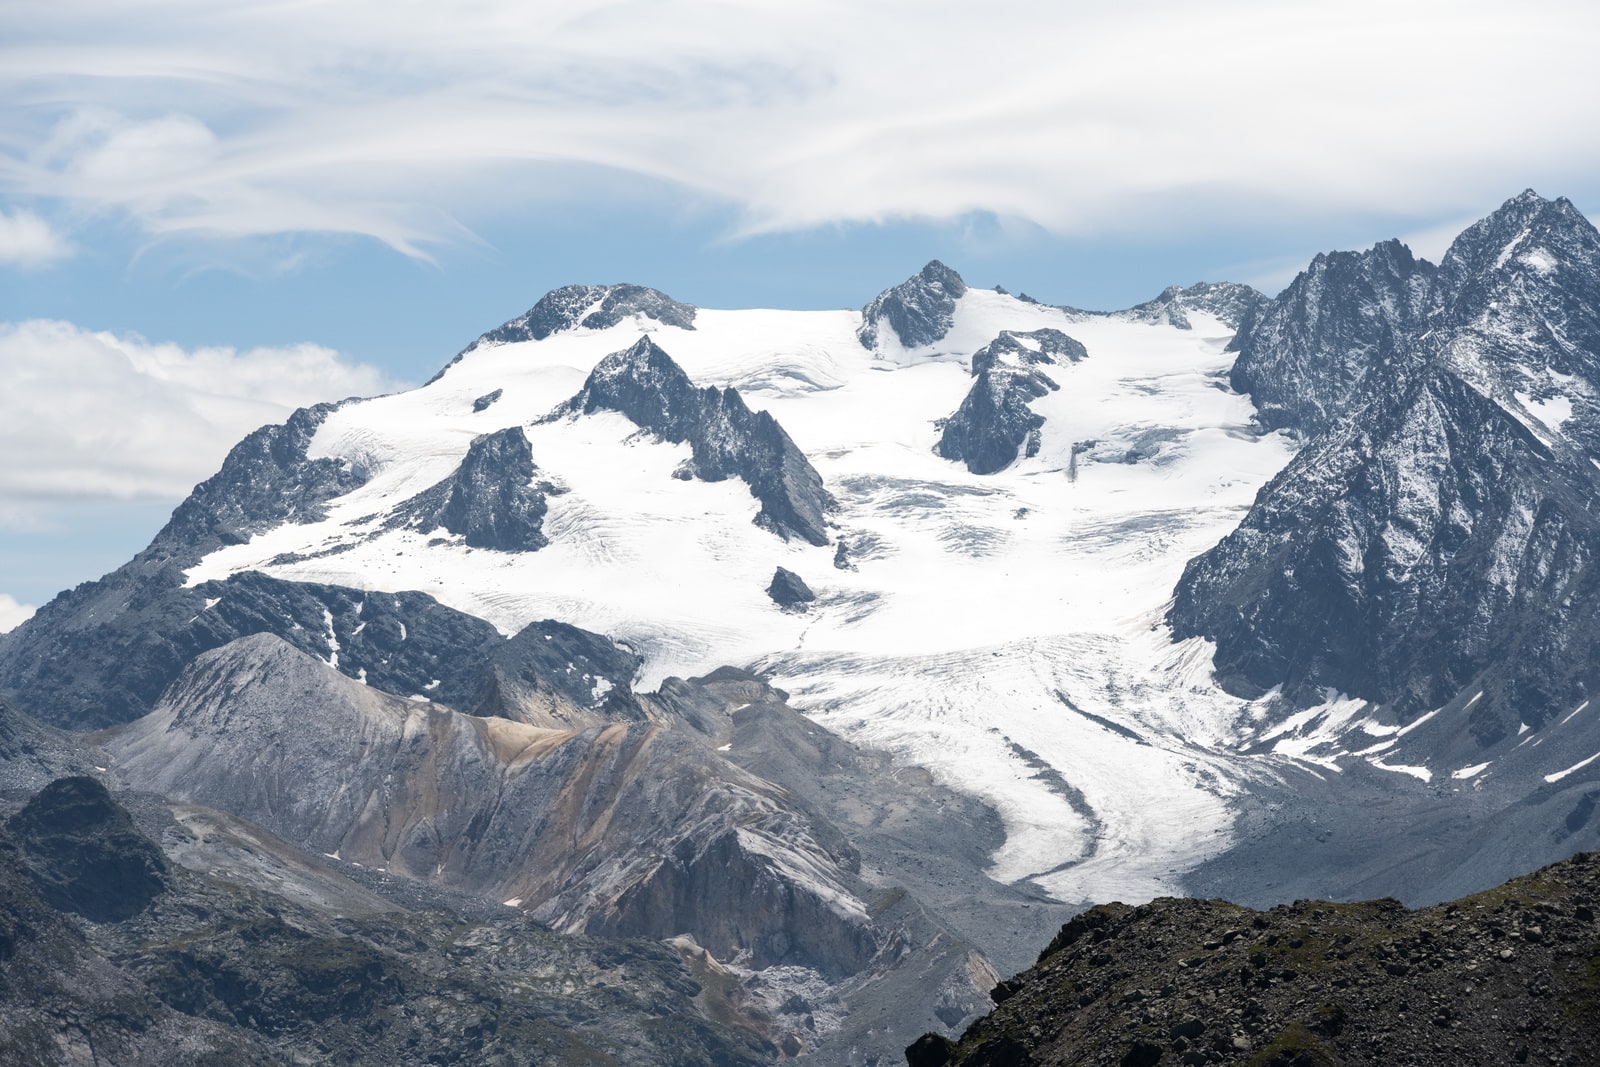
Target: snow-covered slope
{"x": 1002, "y": 630}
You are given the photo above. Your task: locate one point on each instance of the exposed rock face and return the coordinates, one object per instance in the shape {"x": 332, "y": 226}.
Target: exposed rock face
{"x": 920, "y": 310}
{"x": 558, "y": 676}
{"x": 265, "y": 480}
{"x": 221, "y": 968}
{"x": 33, "y": 755}
{"x": 1503, "y": 976}
{"x": 1232, "y": 303}
{"x": 789, "y": 590}
{"x": 994, "y": 424}
{"x": 591, "y": 307}
{"x": 84, "y": 854}
{"x": 1305, "y": 357}
{"x": 622, "y": 829}
{"x": 728, "y": 440}
{"x": 491, "y": 501}
{"x": 105, "y": 652}
{"x": 1016, "y": 349}
{"x": 1443, "y": 535}
{"x": 484, "y": 402}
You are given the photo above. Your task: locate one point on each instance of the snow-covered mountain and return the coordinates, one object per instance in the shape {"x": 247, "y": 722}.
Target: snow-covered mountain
{"x": 1173, "y": 593}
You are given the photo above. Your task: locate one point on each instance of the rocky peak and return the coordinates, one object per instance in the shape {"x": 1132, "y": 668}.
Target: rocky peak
{"x": 1232, "y": 303}
{"x": 591, "y": 307}
{"x": 994, "y": 424}
{"x": 588, "y": 307}
{"x": 920, "y": 310}
{"x": 490, "y": 501}
{"x": 1518, "y": 301}
{"x": 1305, "y": 357}
{"x": 1017, "y": 349}
{"x": 265, "y": 479}
{"x": 727, "y": 439}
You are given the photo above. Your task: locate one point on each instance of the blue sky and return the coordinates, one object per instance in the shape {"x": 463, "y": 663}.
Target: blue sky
{"x": 210, "y": 213}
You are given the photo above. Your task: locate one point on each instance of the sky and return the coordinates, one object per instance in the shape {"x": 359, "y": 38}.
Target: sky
{"x": 211, "y": 213}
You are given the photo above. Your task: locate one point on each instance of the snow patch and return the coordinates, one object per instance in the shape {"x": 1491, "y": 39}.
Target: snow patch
{"x": 1556, "y": 777}
{"x": 1470, "y": 772}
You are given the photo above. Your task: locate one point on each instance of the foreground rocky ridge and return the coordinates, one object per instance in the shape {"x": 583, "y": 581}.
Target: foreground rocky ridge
{"x": 1504, "y": 976}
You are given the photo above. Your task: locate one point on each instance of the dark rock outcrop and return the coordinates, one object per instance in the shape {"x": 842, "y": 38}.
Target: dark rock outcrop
{"x": 789, "y": 590}
{"x": 555, "y": 675}
{"x": 727, "y": 439}
{"x": 484, "y": 402}
{"x": 490, "y": 501}
{"x": 104, "y": 653}
{"x": 1305, "y": 357}
{"x": 33, "y": 754}
{"x": 591, "y": 307}
{"x": 1504, "y": 976}
{"x": 920, "y": 310}
{"x": 994, "y": 424}
{"x": 84, "y": 854}
{"x": 265, "y": 480}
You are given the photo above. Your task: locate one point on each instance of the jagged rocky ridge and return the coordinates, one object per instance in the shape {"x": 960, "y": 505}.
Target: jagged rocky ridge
{"x": 1503, "y": 976}
{"x": 1435, "y": 545}
{"x": 727, "y": 439}
{"x": 919, "y": 311}
{"x": 235, "y": 949}
{"x": 490, "y": 501}
{"x": 1234, "y": 304}
{"x": 103, "y": 653}
{"x": 994, "y": 424}
{"x": 1305, "y": 357}
{"x": 589, "y": 307}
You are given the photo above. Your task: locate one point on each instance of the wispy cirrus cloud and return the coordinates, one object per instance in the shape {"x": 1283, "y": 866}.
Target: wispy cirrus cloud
{"x": 411, "y": 123}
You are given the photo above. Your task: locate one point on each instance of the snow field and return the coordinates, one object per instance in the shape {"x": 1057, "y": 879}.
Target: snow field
{"x": 975, "y": 603}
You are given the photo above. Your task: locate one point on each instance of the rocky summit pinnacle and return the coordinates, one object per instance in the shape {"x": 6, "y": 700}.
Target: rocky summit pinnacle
{"x": 490, "y": 501}
{"x": 727, "y": 438}
{"x": 920, "y": 310}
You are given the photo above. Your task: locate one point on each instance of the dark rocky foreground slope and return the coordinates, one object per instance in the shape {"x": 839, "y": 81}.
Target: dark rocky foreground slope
{"x": 1507, "y": 976}
{"x": 183, "y": 937}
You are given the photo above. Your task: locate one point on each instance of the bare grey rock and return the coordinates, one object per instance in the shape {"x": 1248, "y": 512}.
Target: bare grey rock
{"x": 789, "y": 590}
{"x": 491, "y": 500}
{"x": 727, "y": 439}
{"x": 920, "y": 310}
{"x": 626, "y": 829}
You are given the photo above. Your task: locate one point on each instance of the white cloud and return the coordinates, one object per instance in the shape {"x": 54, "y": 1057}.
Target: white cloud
{"x": 92, "y": 415}
{"x": 394, "y": 121}
{"x": 12, "y": 613}
{"x": 26, "y": 240}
